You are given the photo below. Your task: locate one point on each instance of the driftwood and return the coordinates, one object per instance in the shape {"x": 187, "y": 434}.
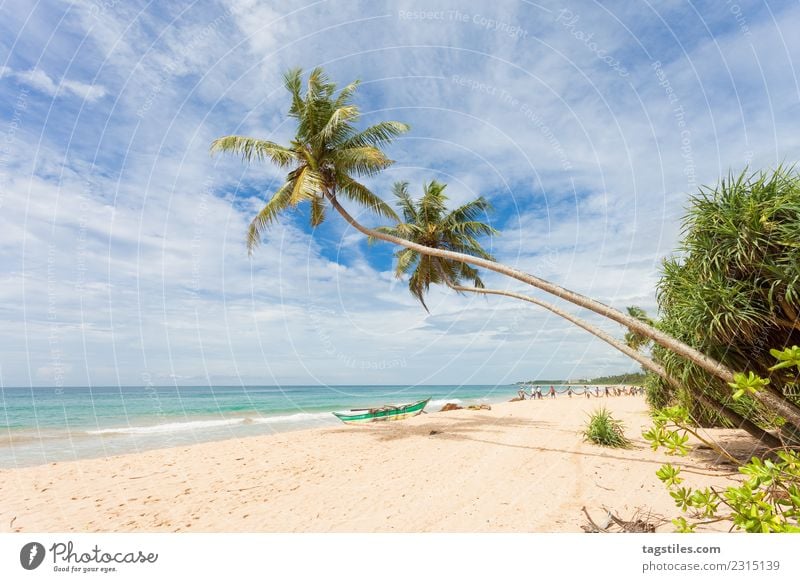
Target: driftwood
{"x": 453, "y": 406}
{"x": 641, "y": 522}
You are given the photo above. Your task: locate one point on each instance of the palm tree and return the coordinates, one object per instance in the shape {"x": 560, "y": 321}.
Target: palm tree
{"x": 724, "y": 410}
{"x": 327, "y": 155}
{"x": 428, "y": 223}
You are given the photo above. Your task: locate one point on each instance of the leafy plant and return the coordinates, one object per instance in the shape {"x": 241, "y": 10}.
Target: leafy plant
{"x": 732, "y": 290}
{"x": 768, "y": 500}
{"x": 747, "y": 384}
{"x": 786, "y": 358}
{"x": 602, "y": 429}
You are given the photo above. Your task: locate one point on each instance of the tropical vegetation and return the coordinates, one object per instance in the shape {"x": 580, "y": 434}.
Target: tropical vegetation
{"x": 604, "y": 430}
{"x": 766, "y": 500}
{"x": 327, "y": 157}
{"x": 732, "y": 292}
{"x": 428, "y": 222}
{"x": 728, "y": 299}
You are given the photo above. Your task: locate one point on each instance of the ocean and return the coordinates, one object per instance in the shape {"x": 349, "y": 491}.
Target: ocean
{"x": 44, "y": 425}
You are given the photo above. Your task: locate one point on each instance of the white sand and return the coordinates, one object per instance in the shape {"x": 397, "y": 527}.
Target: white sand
{"x": 522, "y": 467}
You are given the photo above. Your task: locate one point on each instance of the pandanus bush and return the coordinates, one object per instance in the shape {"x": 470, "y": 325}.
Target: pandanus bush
{"x": 733, "y": 289}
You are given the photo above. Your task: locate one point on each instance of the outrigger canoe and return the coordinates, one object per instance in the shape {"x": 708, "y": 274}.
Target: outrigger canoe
{"x": 385, "y": 412}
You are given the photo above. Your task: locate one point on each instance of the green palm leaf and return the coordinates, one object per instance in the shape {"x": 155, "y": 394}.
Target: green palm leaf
{"x": 427, "y": 222}
{"x": 324, "y": 156}
{"x": 251, "y": 148}
{"x": 267, "y": 215}
{"x": 359, "y": 193}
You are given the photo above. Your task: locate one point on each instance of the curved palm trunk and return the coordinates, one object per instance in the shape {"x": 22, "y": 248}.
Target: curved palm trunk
{"x": 770, "y": 400}
{"x": 733, "y": 417}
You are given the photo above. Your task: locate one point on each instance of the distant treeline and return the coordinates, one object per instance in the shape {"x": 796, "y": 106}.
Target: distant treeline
{"x": 541, "y": 382}
{"x": 631, "y": 379}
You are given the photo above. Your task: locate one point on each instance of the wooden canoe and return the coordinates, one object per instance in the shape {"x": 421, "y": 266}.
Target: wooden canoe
{"x": 385, "y": 412}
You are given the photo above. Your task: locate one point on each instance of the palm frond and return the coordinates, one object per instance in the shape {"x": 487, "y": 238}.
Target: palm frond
{"x": 470, "y": 212}
{"x": 404, "y": 202}
{"x": 377, "y": 135}
{"x": 267, "y": 215}
{"x": 317, "y": 211}
{"x": 251, "y": 148}
{"x": 292, "y": 80}
{"x": 362, "y": 161}
{"x": 338, "y": 121}
{"x": 306, "y": 185}
{"x": 406, "y": 259}
{"x": 346, "y": 94}
{"x": 360, "y": 194}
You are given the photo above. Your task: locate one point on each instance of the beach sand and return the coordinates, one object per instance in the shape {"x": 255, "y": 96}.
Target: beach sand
{"x": 521, "y": 467}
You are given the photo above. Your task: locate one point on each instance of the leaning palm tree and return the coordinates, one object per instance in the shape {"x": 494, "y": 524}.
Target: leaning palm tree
{"x": 325, "y": 159}
{"x": 328, "y": 154}
{"x": 723, "y": 409}
{"x": 428, "y": 222}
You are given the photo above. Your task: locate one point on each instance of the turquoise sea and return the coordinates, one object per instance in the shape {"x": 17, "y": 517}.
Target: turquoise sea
{"x": 45, "y": 425}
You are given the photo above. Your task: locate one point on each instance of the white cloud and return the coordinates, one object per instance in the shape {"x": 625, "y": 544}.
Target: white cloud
{"x": 84, "y": 91}
{"x": 38, "y": 79}
{"x": 126, "y": 252}
{"x": 41, "y": 81}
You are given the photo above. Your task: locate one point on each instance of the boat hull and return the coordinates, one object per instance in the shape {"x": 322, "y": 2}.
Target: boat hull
{"x": 382, "y": 414}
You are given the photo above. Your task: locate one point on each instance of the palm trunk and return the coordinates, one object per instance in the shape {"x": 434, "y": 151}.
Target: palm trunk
{"x": 780, "y": 406}
{"x": 732, "y": 416}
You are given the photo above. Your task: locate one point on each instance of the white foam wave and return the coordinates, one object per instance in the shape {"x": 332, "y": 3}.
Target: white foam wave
{"x": 172, "y": 427}
{"x": 168, "y": 427}
{"x": 298, "y": 417}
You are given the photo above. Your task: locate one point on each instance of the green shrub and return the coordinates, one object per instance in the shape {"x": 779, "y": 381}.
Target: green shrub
{"x": 767, "y": 500}
{"x": 602, "y": 429}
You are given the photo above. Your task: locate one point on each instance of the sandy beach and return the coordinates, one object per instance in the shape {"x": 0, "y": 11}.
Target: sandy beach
{"x": 521, "y": 467}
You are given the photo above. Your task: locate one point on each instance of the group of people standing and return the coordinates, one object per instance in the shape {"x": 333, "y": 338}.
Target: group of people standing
{"x": 537, "y": 395}
{"x": 608, "y": 391}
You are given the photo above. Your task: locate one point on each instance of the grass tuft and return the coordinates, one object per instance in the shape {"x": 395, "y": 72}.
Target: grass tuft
{"x": 602, "y": 429}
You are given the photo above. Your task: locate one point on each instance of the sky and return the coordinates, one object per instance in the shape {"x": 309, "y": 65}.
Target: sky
{"x": 587, "y": 125}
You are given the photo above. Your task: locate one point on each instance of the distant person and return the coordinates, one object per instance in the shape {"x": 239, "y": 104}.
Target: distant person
{"x": 521, "y": 393}
{"x": 569, "y": 391}
{"x": 597, "y": 391}
{"x": 539, "y": 393}
{"x": 607, "y": 392}
{"x": 587, "y": 392}
{"x": 552, "y": 393}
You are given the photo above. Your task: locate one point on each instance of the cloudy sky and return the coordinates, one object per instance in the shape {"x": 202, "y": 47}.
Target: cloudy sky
{"x": 587, "y": 125}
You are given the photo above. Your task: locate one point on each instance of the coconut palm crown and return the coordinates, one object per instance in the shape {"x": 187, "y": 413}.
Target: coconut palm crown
{"x": 326, "y": 157}
{"x": 428, "y": 222}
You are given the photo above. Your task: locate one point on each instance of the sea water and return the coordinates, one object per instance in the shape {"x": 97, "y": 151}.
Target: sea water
{"x": 43, "y": 425}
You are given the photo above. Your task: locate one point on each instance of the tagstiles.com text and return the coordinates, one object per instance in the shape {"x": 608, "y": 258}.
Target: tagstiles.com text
{"x": 676, "y": 551}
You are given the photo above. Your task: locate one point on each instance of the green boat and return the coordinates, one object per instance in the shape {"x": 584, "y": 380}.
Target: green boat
{"x": 385, "y": 412}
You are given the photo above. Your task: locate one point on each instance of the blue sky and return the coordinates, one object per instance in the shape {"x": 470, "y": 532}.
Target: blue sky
{"x": 587, "y": 125}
